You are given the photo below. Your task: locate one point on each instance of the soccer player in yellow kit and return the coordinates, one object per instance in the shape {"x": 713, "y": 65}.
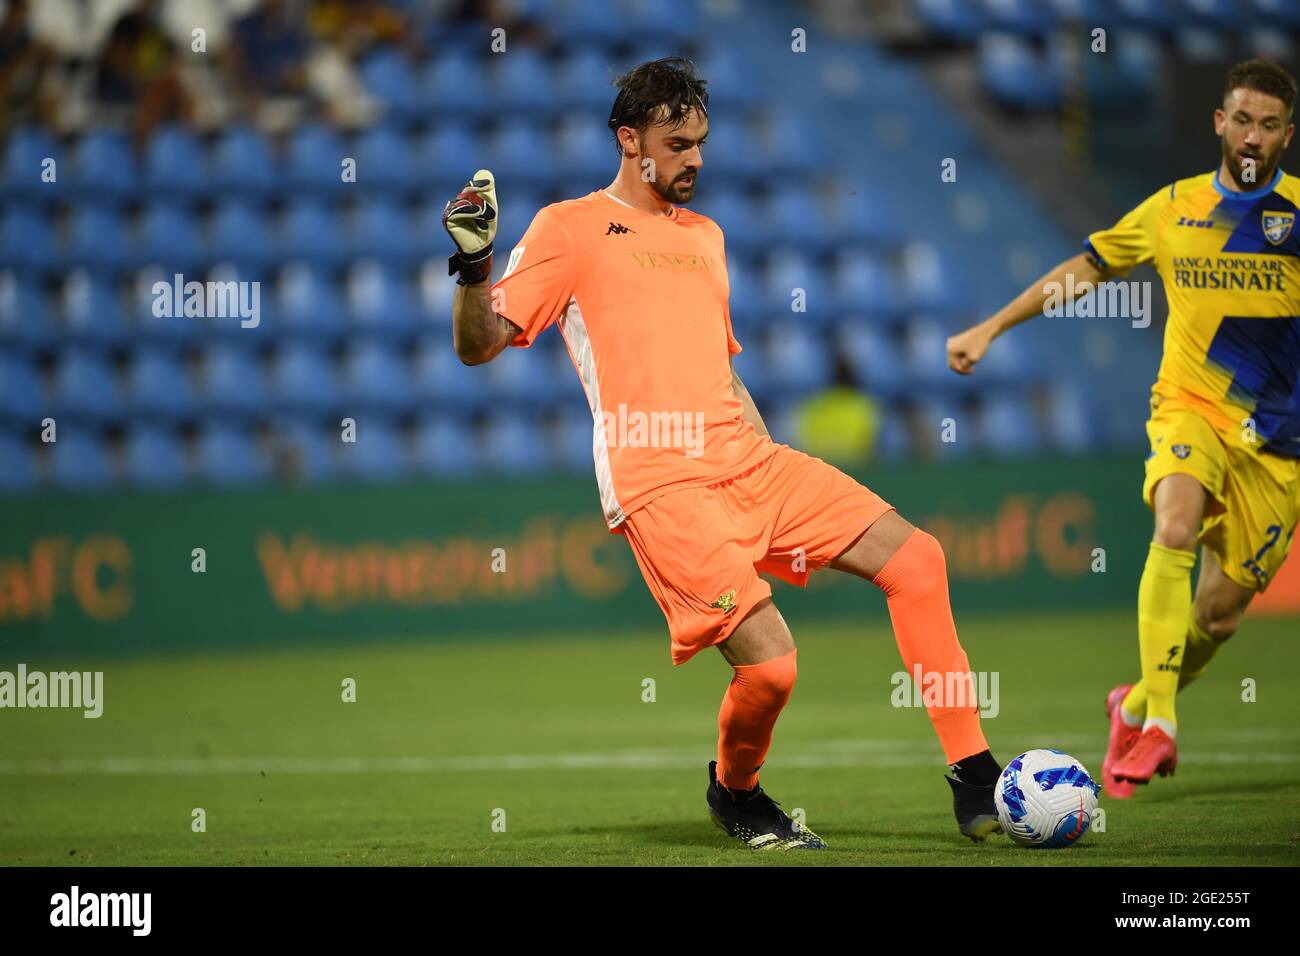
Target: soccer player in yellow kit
{"x": 1224, "y": 468}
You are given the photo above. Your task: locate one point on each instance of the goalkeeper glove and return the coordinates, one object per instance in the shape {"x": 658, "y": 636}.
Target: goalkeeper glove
{"x": 471, "y": 219}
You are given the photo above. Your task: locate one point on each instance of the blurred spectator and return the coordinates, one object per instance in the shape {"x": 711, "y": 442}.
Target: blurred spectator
{"x": 138, "y": 75}
{"x": 838, "y": 424}
{"x": 277, "y": 69}
{"x": 24, "y": 61}
{"x": 354, "y": 27}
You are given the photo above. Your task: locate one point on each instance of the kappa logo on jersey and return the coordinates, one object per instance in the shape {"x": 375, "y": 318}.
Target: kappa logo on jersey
{"x": 1181, "y": 451}
{"x": 726, "y": 602}
{"x": 618, "y": 229}
{"x": 1277, "y": 226}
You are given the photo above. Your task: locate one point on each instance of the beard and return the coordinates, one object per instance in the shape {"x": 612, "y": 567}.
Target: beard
{"x": 1265, "y": 166}
{"x": 672, "y": 190}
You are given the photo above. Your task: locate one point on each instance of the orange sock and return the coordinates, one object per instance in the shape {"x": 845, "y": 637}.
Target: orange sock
{"x": 753, "y": 701}
{"x": 915, "y": 582}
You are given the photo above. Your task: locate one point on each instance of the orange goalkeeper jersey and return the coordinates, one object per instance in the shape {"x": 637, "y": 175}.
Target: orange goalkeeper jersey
{"x": 641, "y": 301}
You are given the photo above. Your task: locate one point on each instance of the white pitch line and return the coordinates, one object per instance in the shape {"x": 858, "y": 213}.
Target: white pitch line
{"x": 622, "y": 760}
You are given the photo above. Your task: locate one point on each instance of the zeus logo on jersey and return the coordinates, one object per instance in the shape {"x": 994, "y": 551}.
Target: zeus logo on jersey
{"x": 1197, "y": 223}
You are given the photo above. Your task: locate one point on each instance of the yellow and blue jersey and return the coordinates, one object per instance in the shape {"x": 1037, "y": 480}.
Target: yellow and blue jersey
{"x": 1230, "y": 264}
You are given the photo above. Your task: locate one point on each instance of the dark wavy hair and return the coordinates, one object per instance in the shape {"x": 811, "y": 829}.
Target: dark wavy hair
{"x": 1263, "y": 77}
{"x": 643, "y": 92}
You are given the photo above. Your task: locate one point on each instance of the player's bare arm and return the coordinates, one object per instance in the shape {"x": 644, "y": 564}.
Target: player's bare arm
{"x": 751, "y": 410}
{"x": 479, "y": 334}
{"x": 966, "y": 348}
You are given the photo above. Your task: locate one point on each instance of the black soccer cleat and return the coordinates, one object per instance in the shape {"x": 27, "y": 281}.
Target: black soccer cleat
{"x": 977, "y": 817}
{"x": 755, "y": 818}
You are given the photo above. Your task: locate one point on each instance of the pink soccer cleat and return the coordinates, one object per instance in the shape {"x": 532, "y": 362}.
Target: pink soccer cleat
{"x": 1122, "y": 739}
{"x": 1155, "y": 752}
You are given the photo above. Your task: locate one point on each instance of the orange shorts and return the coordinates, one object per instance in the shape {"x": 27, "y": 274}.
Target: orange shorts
{"x": 701, "y": 549}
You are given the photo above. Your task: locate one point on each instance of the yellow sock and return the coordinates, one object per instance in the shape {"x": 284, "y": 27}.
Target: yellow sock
{"x": 1201, "y": 648}
{"x": 1164, "y": 608}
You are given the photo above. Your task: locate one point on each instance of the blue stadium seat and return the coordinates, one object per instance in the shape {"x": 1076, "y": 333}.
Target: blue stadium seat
{"x": 240, "y": 235}
{"x": 583, "y": 81}
{"x": 731, "y": 152}
{"x": 382, "y": 229}
{"x": 158, "y": 386}
{"x": 443, "y": 380}
{"x": 97, "y": 236}
{"x": 27, "y": 239}
{"x": 313, "y": 160}
{"x": 302, "y": 378}
{"x": 169, "y": 237}
{"x": 376, "y": 455}
{"x": 25, "y": 154}
{"x": 517, "y": 156}
{"x": 444, "y": 445}
{"x": 872, "y": 356}
{"x": 25, "y": 321}
{"x": 79, "y": 461}
{"x": 571, "y": 450}
{"x": 92, "y": 312}
{"x": 84, "y": 387}
{"x": 513, "y": 445}
{"x": 227, "y": 455}
{"x": 144, "y": 305}
{"x": 308, "y": 303}
{"x": 958, "y": 20}
{"x": 933, "y": 281}
{"x": 1007, "y": 426}
{"x": 788, "y": 269}
{"x": 22, "y": 398}
{"x": 734, "y": 82}
{"x": 793, "y": 145}
{"x": 154, "y": 458}
{"x": 242, "y": 164}
{"x": 17, "y": 465}
{"x": 752, "y": 367}
{"x": 931, "y": 415}
{"x": 388, "y": 77}
{"x": 104, "y": 167}
{"x": 1162, "y": 16}
{"x": 863, "y": 213}
{"x": 584, "y": 149}
{"x": 798, "y": 358}
{"x": 444, "y": 158}
{"x": 520, "y": 83}
{"x": 892, "y": 441}
{"x": 746, "y": 301}
{"x": 521, "y": 376}
{"x": 312, "y": 230}
{"x": 1018, "y": 75}
{"x": 374, "y": 377}
{"x": 378, "y": 299}
{"x": 1026, "y": 17}
{"x": 386, "y": 159}
{"x": 443, "y": 82}
{"x": 175, "y": 163}
{"x": 742, "y": 227}
{"x": 925, "y": 353}
{"x": 232, "y": 381}
{"x": 862, "y": 283}
{"x": 797, "y": 216}
{"x": 580, "y": 22}
{"x": 304, "y": 450}
{"x": 1074, "y": 425}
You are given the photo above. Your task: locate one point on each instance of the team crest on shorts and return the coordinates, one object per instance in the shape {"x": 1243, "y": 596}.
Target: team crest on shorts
{"x": 726, "y": 602}
{"x": 1181, "y": 451}
{"x": 1277, "y": 226}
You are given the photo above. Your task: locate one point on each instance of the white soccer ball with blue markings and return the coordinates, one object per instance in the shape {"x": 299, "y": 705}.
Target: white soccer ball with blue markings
{"x": 1046, "y": 800}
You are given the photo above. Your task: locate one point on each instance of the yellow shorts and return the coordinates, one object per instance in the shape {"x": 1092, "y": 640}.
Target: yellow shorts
{"x": 1251, "y": 519}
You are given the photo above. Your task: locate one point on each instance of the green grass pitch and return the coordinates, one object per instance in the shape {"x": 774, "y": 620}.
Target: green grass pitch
{"x": 554, "y": 734}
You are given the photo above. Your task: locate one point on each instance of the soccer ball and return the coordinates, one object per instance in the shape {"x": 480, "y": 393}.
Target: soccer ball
{"x": 1046, "y": 800}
